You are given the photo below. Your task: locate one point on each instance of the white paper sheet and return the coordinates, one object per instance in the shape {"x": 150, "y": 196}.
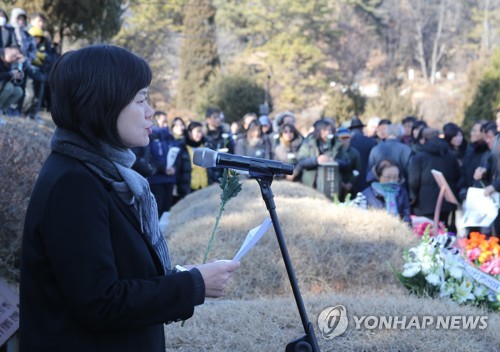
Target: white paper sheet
{"x": 253, "y": 236}
{"x": 480, "y": 210}
{"x": 172, "y": 155}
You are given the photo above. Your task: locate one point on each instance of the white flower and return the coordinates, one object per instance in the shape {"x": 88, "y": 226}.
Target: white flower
{"x": 464, "y": 292}
{"x": 225, "y": 135}
{"x": 427, "y": 264}
{"x": 433, "y": 279}
{"x": 480, "y": 291}
{"x": 411, "y": 269}
{"x": 424, "y": 255}
{"x": 447, "y": 289}
{"x": 453, "y": 265}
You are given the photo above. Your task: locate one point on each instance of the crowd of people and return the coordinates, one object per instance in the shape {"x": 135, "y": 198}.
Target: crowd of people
{"x": 387, "y": 164}
{"x": 27, "y": 55}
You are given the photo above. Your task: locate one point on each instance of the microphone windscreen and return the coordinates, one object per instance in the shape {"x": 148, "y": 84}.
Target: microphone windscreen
{"x": 204, "y": 157}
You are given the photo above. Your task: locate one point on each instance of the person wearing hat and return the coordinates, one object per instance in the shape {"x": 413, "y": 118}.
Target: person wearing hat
{"x": 40, "y": 68}
{"x": 352, "y": 163}
{"x": 363, "y": 145}
{"x": 267, "y": 126}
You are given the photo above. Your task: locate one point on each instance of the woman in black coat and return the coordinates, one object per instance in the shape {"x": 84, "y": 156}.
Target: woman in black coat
{"x": 95, "y": 269}
{"x": 424, "y": 191}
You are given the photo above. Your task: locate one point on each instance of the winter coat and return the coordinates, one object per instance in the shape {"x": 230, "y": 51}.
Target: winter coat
{"x": 215, "y": 140}
{"x": 90, "y": 279}
{"x": 308, "y": 159}
{"x": 350, "y": 172}
{"x": 161, "y": 140}
{"x": 262, "y": 148}
{"x": 376, "y": 200}
{"x": 24, "y": 39}
{"x": 364, "y": 146}
{"x": 470, "y": 162}
{"x": 289, "y": 155}
{"x": 434, "y": 154}
{"x": 185, "y": 164}
{"x": 8, "y": 37}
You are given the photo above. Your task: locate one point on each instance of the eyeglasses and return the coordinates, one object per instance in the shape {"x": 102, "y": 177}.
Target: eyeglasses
{"x": 287, "y": 131}
{"x": 390, "y": 178}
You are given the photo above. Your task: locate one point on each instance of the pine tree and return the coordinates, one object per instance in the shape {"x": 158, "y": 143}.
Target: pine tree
{"x": 487, "y": 97}
{"x": 96, "y": 21}
{"x": 199, "y": 56}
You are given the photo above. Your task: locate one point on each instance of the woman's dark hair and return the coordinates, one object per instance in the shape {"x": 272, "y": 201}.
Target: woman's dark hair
{"x": 410, "y": 118}
{"x": 418, "y": 125}
{"x": 255, "y": 125}
{"x": 192, "y": 126}
{"x": 320, "y": 125}
{"x": 291, "y": 127}
{"x": 177, "y": 118}
{"x": 451, "y": 130}
{"x": 489, "y": 126}
{"x": 90, "y": 87}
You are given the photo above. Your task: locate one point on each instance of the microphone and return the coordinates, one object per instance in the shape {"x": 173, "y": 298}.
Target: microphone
{"x": 206, "y": 158}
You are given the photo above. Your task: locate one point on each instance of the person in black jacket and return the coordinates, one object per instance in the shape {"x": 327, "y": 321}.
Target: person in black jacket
{"x": 434, "y": 154}
{"x": 474, "y": 154}
{"x": 364, "y": 146}
{"x": 95, "y": 269}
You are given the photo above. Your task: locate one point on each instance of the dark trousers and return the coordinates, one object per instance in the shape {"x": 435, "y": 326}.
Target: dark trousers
{"x": 163, "y": 193}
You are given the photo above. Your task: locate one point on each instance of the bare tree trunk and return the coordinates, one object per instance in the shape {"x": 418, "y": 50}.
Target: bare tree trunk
{"x": 485, "y": 40}
{"x": 437, "y": 50}
{"x": 420, "y": 49}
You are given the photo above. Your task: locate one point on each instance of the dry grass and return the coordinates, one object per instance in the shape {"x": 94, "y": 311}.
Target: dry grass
{"x": 270, "y": 324}
{"x": 332, "y": 248}
{"x": 340, "y": 256}
{"x": 24, "y": 146}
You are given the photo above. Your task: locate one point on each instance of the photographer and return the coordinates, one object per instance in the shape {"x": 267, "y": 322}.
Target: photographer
{"x": 9, "y": 92}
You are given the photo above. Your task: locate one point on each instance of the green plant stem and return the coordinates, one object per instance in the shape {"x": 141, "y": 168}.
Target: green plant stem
{"x": 209, "y": 246}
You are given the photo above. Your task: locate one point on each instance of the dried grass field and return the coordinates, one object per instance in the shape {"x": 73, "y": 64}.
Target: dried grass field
{"x": 340, "y": 256}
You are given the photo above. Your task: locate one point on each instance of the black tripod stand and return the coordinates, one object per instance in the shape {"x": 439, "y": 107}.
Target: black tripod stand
{"x": 265, "y": 177}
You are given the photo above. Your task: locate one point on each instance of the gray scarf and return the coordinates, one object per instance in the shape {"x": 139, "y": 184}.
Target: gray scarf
{"x": 113, "y": 165}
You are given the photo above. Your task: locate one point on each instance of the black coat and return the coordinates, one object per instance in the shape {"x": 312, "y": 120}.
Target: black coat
{"x": 364, "y": 146}
{"x": 434, "y": 154}
{"x": 470, "y": 162}
{"x": 90, "y": 280}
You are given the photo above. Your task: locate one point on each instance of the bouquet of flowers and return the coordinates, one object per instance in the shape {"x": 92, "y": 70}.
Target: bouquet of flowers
{"x": 437, "y": 267}
{"x": 483, "y": 252}
{"x": 421, "y": 223}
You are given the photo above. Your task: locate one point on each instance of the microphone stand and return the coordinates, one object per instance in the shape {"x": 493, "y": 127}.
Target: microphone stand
{"x": 264, "y": 177}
